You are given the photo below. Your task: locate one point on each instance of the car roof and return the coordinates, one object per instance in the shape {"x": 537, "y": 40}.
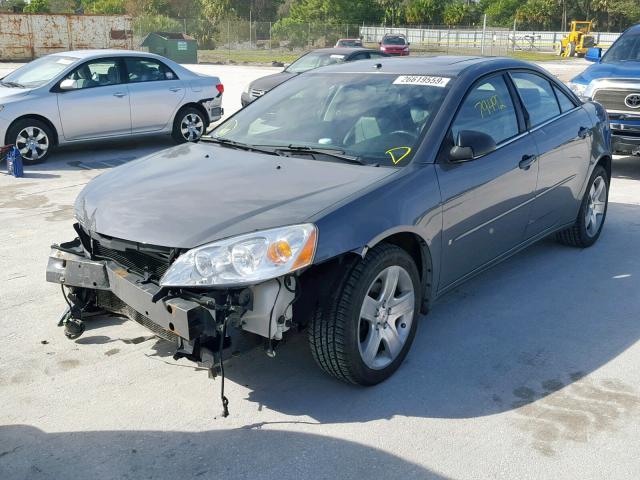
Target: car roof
{"x": 448, "y": 66}
{"x": 97, "y": 53}
{"x": 343, "y": 50}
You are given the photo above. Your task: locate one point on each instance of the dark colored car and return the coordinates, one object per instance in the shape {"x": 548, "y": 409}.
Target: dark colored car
{"x": 348, "y": 42}
{"x": 394, "y": 44}
{"x": 614, "y": 81}
{"x": 345, "y": 202}
{"x": 309, "y": 61}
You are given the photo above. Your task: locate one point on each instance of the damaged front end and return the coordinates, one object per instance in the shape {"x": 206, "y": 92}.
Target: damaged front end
{"x": 99, "y": 274}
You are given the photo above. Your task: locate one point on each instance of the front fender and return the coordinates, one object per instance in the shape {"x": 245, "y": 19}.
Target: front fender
{"x": 405, "y": 203}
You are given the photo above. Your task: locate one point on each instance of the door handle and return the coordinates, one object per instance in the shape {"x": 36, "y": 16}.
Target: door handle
{"x": 119, "y": 94}
{"x": 527, "y": 161}
{"x": 175, "y": 89}
{"x": 584, "y": 132}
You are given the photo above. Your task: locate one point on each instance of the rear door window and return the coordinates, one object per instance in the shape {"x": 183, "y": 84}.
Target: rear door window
{"x": 147, "y": 70}
{"x": 488, "y": 108}
{"x": 565, "y": 102}
{"x": 537, "y": 96}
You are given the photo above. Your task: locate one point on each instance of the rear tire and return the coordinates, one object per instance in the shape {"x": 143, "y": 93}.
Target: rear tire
{"x": 363, "y": 331}
{"x": 189, "y": 125}
{"x": 33, "y": 138}
{"x": 592, "y": 214}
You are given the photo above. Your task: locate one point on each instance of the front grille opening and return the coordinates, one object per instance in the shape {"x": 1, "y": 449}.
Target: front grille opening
{"x": 148, "y": 261}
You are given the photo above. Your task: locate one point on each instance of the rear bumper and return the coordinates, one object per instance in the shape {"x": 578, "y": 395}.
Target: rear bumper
{"x": 122, "y": 292}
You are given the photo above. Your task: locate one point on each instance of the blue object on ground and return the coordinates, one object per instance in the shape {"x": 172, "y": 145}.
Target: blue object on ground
{"x": 14, "y": 163}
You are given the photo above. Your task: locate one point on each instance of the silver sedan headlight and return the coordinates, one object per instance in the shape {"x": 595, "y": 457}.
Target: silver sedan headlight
{"x": 579, "y": 89}
{"x": 245, "y": 259}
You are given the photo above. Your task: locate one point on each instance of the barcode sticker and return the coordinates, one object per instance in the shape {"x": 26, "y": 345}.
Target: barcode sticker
{"x": 421, "y": 80}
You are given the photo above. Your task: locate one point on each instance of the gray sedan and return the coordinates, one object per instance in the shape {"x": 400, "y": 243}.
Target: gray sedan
{"x": 97, "y": 94}
{"x": 346, "y": 201}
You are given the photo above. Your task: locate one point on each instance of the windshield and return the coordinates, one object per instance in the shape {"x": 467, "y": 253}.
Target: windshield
{"x": 38, "y": 72}
{"x": 314, "y": 60}
{"x": 625, "y": 49}
{"x": 376, "y": 118}
{"x": 393, "y": 41}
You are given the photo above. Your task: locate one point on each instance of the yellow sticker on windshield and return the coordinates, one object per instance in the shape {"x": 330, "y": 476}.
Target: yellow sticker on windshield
{"x": 397, "y": 154}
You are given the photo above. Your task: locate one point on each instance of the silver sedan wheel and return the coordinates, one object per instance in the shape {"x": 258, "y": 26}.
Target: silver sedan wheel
{"x": 191, "y": 127}
{"x": 596, "y": 206}
{"x": 385, "y": 317}
{"x": 33, "y": 143}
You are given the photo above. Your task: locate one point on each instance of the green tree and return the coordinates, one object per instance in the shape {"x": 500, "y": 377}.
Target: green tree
{"x": 37, "y": 6}
{"x": 424, "y": 11}
{"x": 539, "y": 14}
{"x": 501, "y": 12}
{"x": 109, "y": 7}
{"x": 454, "y": 13}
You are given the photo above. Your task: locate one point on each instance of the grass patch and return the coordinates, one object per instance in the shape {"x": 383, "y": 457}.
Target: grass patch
{"x": 247, "y": 57}
{"x": 266, "y": 57}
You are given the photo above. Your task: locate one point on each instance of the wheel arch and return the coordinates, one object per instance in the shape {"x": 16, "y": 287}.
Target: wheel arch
{"x": 417, "y": 247}
{"x": 195, "y": 105}
{"x": 605, "y": 161}
{"x": 34, "y": 116}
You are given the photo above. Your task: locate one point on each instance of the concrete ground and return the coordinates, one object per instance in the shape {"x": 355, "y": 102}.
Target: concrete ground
{"x": 528, "y": 371}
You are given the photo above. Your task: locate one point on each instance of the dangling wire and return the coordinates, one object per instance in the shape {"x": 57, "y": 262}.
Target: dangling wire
{"x": 225, "y": 400}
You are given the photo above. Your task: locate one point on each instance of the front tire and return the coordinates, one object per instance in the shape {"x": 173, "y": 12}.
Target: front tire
{"x": 592, "y": 214}
{"x": 33, "y": 138}
{"x": 189, "y": 125}
{"x": 363, "y": 331}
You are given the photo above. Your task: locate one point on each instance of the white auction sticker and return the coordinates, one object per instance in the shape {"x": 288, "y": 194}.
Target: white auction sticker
{"x": 421, "y": 80}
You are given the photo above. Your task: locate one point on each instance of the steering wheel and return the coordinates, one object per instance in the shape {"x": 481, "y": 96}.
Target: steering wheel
{"x": 412, "y": 137}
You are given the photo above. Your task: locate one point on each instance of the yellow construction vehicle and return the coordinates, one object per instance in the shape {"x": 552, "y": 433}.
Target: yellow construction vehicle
{"x": 578, "y": 41}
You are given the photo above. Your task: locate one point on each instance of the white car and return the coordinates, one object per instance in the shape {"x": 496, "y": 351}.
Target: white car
{"x": 98, "y": 94}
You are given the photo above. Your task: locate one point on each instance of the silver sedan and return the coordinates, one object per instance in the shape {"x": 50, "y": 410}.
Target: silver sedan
{"x": 99, "y": 94}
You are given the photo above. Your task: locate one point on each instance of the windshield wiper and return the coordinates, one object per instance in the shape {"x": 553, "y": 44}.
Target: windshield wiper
{"x": 240, "y": 145}
{"x": 13, "y": 84}
{"x": 330, "y": 152}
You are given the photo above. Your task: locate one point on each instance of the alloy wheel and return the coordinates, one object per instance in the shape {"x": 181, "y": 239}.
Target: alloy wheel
{"x": 191, "y": 127}
{"x": 596, "y": 206}
{"x": 385, "y": 317}
{"x": 33, "y": 143}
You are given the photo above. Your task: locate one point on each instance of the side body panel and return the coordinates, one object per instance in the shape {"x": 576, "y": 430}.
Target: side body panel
{"x": 485, "y": 207}
{"x": 564, "y": 146}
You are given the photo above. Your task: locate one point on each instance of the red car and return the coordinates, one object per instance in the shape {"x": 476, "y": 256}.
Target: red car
{"x": 394, "y": 44}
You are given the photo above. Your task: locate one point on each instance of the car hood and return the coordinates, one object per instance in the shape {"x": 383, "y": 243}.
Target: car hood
{"x": 196, "y": 193}
{"x": 609, "y": 70}
{"x": 272, "y": 81}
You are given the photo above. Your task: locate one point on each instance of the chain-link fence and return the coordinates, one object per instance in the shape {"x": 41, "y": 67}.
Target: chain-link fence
{"x": 241, "y": 41}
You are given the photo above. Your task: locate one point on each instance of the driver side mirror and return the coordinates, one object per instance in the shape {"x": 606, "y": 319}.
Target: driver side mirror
{"x": 593, "y": 54}
{"x": 69, "y": 84}
{"x": 471, "y": 144}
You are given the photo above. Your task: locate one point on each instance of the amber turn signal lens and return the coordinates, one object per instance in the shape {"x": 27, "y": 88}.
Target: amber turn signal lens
{"x": 279, "y": 252}
{"x": 308, "y": 251}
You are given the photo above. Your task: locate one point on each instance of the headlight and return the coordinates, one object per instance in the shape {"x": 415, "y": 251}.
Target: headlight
{"x": 578, "y": 88}
{"x": 247, "y": 88}
{"x": 245, "y": 259}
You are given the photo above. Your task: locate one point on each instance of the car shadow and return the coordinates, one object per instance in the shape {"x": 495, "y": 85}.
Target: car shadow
{"x": 536, "y": 324}
{"x": 98, "y": 155}
{"x": 28, "y": 452}
{"x": 626, "y": 168}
